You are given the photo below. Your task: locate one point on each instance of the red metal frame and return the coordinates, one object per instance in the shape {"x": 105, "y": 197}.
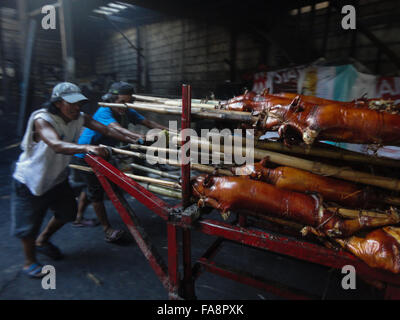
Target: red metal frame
{"x": 184, "y": 287}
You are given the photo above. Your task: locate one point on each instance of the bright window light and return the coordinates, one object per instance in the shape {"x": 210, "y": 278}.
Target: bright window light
{"x": 117, "y": 6}
{"x": 102, "y": 12}
{"x": 126, "y": 4}
{"x": 305, "y": 9}
{"x": 109, "y": 9}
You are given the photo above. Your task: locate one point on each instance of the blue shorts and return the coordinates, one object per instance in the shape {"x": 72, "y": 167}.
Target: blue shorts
{"x": 28, "y": 211}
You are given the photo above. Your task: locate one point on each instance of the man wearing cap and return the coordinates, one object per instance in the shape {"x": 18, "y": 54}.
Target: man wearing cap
{"x": 40, "y": 177}
{"x": 118, "y": 119}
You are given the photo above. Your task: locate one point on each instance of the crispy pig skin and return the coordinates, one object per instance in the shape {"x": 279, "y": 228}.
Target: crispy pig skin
{"x": 379, "y": 249}
{"x": 332, "y": 190}
{"x": 312, "y": 118}
{"x": 248, "y": 196}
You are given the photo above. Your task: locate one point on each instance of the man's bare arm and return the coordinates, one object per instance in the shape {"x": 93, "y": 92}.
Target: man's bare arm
{"x": 48, "y": 134}
{"x": 108, "y": 131}
{"x": 122, "y": 130}
{"x": 153, "y": 125}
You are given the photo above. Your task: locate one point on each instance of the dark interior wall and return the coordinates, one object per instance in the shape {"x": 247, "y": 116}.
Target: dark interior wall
{"x": 178, "y": 51}
{"x": 377, "y": 16}
{"x": 10, "y": 51}
{"x": 198, "y": 52}
{"x": 116, "y": 57}
{"x": 201, "y": 53}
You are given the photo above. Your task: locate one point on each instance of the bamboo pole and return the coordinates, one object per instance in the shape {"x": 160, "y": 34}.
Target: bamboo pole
{"x": 326, "y": 153}
{"x": 175, "y": 101}
{"x": 165, "y": 183}
{"x": 150, "y": 148}
{"x": 351, "y": 213}
{"x": 312, "y": 166}
{"x": 212, "y": 170}
{"x": 202, "y": 113}
{"x": 209, "y": 169}
{"x": 194, "y": 166}
{"x": 392, "y": 200}
{"x": 194, "y": 104}
{"x": 158, "y": 172}
{"x": 149, "y": 98}
{"x": 175, "y": 188}
{"x": 343, "y": 155}
{"x": 162, "y": 191}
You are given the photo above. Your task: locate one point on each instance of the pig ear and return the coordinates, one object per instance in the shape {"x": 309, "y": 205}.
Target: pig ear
{"x": 264, "y": 161}
{"x": 295, "y": 105}
{"x": 265, "y": 92}
{"x": 208, "y": 181}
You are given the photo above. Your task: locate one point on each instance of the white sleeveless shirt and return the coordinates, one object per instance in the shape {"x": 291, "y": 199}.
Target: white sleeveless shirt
{"x": 39, "y": 167}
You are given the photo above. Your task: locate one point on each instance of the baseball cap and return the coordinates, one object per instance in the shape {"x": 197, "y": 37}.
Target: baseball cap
{"x": 67, "y": 91}
{"x": 108, "y": 97}
{"x": 121, "y": 87}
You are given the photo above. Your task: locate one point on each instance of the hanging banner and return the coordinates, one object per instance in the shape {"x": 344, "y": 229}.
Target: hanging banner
{"x": 388, "y": 88}
{"x": 285, "y": 80}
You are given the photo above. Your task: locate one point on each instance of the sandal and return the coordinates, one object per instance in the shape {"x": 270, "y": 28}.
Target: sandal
{"x": 113, "y": 235}
{"x": 85, "y": 223}
{"x": 50, "y": 250}
{"x": 34, "y": 271}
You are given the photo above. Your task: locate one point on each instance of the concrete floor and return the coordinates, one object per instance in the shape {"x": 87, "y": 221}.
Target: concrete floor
{"x": 123, "y": 272}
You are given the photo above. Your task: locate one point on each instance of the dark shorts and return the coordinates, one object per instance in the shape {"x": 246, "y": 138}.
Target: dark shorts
{"x": 93, "y": 187}
{"x": 28, "y": 211}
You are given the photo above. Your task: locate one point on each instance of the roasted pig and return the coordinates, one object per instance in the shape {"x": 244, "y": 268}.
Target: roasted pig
{"x": 379, "y": 249}
{"x": 332, "y": 190}
{"x": 249, "y": 196}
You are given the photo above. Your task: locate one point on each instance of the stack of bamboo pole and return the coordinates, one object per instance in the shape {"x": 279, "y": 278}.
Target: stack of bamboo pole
{"x": 274, "y": 151}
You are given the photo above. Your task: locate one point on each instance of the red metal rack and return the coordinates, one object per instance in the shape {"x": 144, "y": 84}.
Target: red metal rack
{"x": 186, "y": 218}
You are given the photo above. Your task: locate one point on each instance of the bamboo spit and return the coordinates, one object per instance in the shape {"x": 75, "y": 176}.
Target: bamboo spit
{"x": 195, "y": 102}
{"x": 158, "y": 172}
{"x": 347, "y": 213}
{"x": 343, "y": 155}
{"x": 150, "y": 148}
{"x": 194, "y": 166}
{"x": 312, "y": 166}
{"x": 196, "y": 112}
{"x": 165, "y": 183}
{"x": 247, "y": 117}
{"x": 175, "y": 187}
{"x": 352, "y": 214}
{"x": 192, "y": 154}
{"x": 209, "y": 169}
{"x": 326, "y": 153}
{"x": 172, "y": 193}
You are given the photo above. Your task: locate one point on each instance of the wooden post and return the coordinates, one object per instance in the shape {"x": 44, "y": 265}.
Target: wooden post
{"x": 26, "y": 77}
{"x": 5, "y": 83}
{"x": 67, "y": 42}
